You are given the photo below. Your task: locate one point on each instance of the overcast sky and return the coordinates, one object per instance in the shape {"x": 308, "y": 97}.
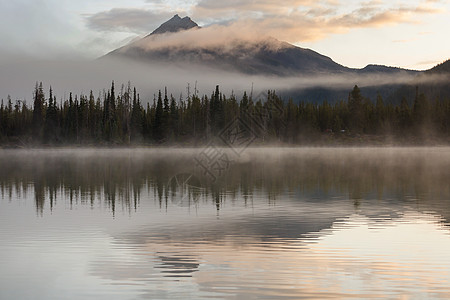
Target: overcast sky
{"x": 406, "y": 33}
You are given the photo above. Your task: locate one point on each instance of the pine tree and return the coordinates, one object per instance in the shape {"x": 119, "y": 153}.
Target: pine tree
{"x": 136, "y": 118}
{"x": 355, "y": 100}
{"x": 38, "y": 112}
{"x": 51, "y": 120}
{"x": 173, "y": 116}
{"x": 159, "y": 119}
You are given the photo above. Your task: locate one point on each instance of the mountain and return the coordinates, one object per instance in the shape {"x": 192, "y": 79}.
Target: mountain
{"x": 380, "y": 69}
{"x": 266, "y": 57}
{"x": 260, "y": 56}
{"x": 440, "y": 68}
{"x": 263, "y": 56}
{"x": 434, "y": 83}
{"x": 181, "y": 41}
{"x": 175, "y": 24}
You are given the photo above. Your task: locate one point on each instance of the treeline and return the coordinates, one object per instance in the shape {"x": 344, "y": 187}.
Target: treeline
{"x": 120, "y": 118}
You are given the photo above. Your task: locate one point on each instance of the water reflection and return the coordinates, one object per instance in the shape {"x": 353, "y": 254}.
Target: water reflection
{"x": 177, "y": 266}
{"x": 291, "y": 223}
{"x": 119, "y": 177}
{"x": 355, "y": 257}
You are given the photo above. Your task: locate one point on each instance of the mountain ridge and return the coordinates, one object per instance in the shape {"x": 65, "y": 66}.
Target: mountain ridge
{"x": 266, "y": 56}
{"x": 261, "y": 57}
{"x": 443, "y": 67}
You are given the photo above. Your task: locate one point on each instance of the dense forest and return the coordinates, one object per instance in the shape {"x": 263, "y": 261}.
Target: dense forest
{"x": 120, "y": 118}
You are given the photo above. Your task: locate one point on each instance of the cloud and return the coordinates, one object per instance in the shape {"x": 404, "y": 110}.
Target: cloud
{"x": 427, "y": 63}
{"x": 222, "y": 38}
{"x": 127, "y": 20}
{"x": 34, "y": 28}
{"x": 294, "y": 21}
{"x": 265, "y": 6}
{"x": 305, "y": 20}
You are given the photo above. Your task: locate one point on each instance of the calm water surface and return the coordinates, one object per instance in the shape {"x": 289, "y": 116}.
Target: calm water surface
{"x": 284, "y": 224}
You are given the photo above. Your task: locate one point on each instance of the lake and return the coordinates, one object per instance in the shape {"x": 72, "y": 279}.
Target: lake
{"x": 268, "y": 223}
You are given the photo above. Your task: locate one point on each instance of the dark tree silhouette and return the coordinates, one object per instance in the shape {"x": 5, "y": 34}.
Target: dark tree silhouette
{"x": 121, "y": 119}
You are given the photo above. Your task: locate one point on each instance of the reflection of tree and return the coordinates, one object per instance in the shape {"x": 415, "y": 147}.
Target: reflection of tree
{"x": 118, "y": 180}
{"x": 39, "y": 196}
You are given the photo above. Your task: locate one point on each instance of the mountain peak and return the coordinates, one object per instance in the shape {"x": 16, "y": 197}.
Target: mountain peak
{"x": 175, "y": 24}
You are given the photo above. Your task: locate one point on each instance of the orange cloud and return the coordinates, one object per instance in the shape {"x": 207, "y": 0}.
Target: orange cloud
{"x": 291, "y": 20}
{"x": 305, "y": 20}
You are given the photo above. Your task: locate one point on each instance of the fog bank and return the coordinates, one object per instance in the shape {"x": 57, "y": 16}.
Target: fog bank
{"x": 80, "y": 77}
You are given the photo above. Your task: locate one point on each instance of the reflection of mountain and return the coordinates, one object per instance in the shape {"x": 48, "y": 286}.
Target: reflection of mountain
{"x": 294, "y": 219}
{"x": 280, "y": 223}
{"x": 279, "y": 218}
{"x": 394, "y": 248}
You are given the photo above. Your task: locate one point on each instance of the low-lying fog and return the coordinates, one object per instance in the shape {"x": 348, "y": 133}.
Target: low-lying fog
{"x": 429, "y": 166}
{"x": 19, "y": 78}
{"x": 406, "y": 176}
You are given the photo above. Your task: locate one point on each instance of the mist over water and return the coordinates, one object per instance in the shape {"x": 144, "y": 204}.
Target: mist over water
{"x": 279, "y": 223}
